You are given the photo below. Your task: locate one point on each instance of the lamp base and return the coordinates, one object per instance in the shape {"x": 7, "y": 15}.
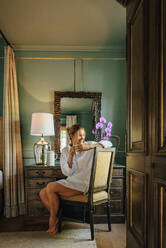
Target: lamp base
{"x": 40, "y": 151}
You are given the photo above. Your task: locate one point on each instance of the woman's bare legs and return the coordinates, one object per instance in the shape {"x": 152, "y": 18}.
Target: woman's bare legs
{"x": 44, "y": 198}
{"x": 50, "y": 198}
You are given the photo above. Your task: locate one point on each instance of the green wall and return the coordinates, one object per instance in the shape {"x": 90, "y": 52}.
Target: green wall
{"x": 39, "y": 77}
{"x": 86, "y": 120}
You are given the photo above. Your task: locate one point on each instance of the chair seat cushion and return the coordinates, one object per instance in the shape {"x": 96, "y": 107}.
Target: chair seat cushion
{"x": 98, "y": 196}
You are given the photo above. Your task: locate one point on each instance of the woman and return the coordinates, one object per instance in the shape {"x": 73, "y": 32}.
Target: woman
{"x": 76, "y": 162}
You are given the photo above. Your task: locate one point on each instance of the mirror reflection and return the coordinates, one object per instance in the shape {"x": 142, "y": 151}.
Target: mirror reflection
{"x": 75, "y": 110}
{"x": 81, "y": 107}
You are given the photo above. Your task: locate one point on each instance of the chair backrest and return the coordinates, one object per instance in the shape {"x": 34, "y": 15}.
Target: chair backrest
{"x": 102, "y": 167}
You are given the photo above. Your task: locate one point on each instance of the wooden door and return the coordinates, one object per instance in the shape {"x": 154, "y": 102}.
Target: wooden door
{"x": 146, "y": 125}
{"x": 138, "y": 158}
{"x": 157, "y": 77}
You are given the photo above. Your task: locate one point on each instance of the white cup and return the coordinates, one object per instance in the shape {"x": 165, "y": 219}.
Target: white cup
{"x": 50, "y": 158}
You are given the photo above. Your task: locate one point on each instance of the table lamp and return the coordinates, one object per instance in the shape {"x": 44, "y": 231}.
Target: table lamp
{"x": 42, "y": 124}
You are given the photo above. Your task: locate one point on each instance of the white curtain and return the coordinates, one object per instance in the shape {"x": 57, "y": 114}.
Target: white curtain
{"x": 70, "y": 120}
{"x": 12, "y": 158}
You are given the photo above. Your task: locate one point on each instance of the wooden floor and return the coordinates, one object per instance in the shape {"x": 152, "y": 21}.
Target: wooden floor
{"x": 104, "y": 239}
{"x": 114, "y": 239}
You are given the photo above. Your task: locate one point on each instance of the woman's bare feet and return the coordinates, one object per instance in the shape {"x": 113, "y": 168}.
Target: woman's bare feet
{"x": 53, "y": 225}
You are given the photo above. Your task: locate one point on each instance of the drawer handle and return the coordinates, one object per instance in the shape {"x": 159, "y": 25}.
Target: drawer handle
{"x": 40, "y": 173}
{"x": 37, "y": 194}
{"x": 41, "y": 184}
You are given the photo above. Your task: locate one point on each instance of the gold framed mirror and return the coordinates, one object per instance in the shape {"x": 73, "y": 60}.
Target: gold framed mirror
{"x": 95, "y": 109}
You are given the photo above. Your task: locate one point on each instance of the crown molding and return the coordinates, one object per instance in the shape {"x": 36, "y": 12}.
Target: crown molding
{"x": 123, "y": 2}
{"x": 69, "y": 48}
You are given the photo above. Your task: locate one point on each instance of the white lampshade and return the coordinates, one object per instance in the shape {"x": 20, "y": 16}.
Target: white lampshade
{"x": 42, "y": 124}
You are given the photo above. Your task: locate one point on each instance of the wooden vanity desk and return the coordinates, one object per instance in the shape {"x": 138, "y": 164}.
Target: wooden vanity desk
{"x": 37, "y": 177}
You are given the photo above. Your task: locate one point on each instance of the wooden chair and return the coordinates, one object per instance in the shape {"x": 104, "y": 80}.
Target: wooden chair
{"x": 99, "y": 187}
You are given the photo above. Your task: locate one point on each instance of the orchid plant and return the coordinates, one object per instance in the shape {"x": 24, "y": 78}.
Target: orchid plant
{"x": 102, "y": 124}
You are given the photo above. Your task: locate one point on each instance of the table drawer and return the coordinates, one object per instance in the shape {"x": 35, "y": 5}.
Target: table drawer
{"x": 116, "y": 193}
{"x": 40, "y": 173}
{"x": 38, "y": 182}
{"x": 117, "y": 182}
{"x": 58, "y": 174}
{"x": 33, "y": 195}
{"x": 37, "y": 209}
{"x": 116, "y": 207}
{"x": 117, "y": 172}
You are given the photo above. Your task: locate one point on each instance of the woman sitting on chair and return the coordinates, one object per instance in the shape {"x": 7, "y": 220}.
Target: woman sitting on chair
{"x": 76, "y": 161}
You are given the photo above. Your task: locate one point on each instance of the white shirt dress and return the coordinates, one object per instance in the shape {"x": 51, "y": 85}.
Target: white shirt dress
{"x": 78, "y": 176}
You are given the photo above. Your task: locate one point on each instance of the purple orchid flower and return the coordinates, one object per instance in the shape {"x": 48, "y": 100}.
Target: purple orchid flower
{"x": 109, "y": 125}
{"x": 99, "y": 125}
{"x": 108, "y": 130}
{"x": 106, "y": 138}
{"x": 94, "y": 131}
{"x": 102, "y": 120}
{"x": 103, "y": 134}
{"x": 108, "y": 134}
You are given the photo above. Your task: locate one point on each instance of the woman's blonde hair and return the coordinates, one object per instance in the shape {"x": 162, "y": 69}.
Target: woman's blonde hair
{"x": 74, "y": 128}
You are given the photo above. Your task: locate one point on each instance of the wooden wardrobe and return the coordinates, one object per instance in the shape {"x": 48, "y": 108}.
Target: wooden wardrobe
{"x": 146, "y": 123}
{"x": 1, "y": 143}
{"x": 1, "y": 165}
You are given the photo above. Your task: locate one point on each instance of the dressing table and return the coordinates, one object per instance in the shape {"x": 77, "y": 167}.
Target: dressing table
{"x": 37, "y": 177}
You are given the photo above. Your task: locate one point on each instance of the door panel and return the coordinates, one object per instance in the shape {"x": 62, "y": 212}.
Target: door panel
{"x": 146, "y": 125}
{"x": 136, "y": 81}
{"x": 159, "y": 213}
{"x": 137, "y": 125}
{"x": 135, "y": 161}
{"x": 137, "y": 205}
{"x": 161, "y": 132}
{"x": 159, "y": 170}
{"x": 159, "y": 125}
{"x": 131, "y": 241}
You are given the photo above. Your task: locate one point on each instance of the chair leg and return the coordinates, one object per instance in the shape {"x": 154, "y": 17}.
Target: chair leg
{"x": 60, "y": 220}
{"x": 109, "y": 216}
{"x": 91, "y": 223}
{"x": 84, "y": 213}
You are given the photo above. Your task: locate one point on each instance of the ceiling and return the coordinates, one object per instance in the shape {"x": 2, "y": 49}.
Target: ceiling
{"x": 91, "y": 24}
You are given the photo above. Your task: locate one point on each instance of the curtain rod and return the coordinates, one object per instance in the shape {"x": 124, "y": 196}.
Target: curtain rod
{"x": 3, "y": 36}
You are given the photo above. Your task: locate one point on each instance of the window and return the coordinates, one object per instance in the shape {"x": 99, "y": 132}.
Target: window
{"x": 63, "y": 137}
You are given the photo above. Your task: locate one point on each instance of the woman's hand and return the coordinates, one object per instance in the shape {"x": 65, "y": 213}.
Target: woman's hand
{"x": 82, "y": 147}
{"x": 72, "y": 150}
